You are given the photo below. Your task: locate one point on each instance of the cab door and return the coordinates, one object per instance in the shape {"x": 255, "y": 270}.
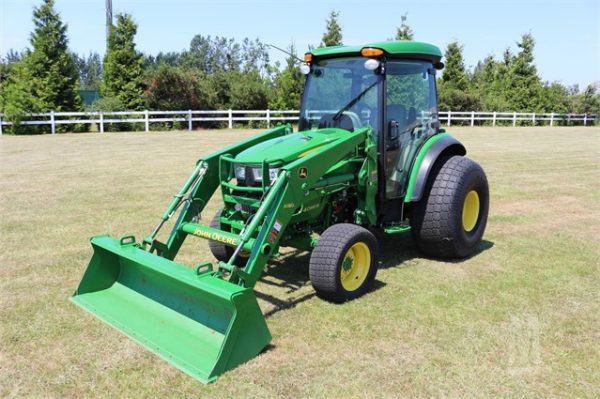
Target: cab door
{"x": 411, "y": 118}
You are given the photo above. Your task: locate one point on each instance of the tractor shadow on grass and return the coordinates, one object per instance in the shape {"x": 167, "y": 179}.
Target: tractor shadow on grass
{"x": 288, "y": 272}
{"x": 398, "y": 251}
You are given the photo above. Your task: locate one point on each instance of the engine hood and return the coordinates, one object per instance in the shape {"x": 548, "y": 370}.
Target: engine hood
{"x": 290, "y": 147}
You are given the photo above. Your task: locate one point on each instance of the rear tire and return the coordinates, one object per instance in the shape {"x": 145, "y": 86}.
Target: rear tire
{"x": 450, "y": 219}
{"x": 344, "y": 263}
{"x": 221, "y": 251}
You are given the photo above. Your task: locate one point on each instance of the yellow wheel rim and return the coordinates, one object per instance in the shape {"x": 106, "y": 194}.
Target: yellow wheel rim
{"x": 470, "y": 210}
{"x": 355, "y": 266}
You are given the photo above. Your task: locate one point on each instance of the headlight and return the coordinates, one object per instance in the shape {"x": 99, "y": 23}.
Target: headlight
{"x": 257, "y": 173}
{"x": 273, "y": 172}
{"x": 240, "y": 172}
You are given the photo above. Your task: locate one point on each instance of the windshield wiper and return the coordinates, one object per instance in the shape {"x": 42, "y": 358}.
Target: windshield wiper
{"x": 353, "y": 101}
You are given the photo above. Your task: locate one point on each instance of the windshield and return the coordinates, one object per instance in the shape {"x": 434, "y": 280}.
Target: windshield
{"x": 341, "y": 93}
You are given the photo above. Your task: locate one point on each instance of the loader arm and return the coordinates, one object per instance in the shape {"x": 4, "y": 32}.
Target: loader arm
{"x": 204, "y": 321}
{"x": 200, "y": 193}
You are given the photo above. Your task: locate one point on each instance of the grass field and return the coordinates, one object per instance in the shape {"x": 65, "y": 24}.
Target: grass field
{"x": 519, "y": 319}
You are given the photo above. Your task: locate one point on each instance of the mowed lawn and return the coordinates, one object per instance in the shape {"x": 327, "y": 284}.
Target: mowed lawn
{"x": 521, "y": 318}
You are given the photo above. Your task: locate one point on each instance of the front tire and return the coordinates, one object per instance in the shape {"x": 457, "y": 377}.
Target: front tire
{"x": 221, "y": 251}
{"x": 450, "y": 219}
{"x": 344, "y": 263}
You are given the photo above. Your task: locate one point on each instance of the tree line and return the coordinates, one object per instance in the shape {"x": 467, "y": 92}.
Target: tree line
{"x": 221, "y": 73}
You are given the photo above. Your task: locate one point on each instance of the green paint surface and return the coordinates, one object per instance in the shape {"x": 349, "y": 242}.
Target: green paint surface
{"x": 417, "y": 164}
{"x": 399, "y": 48}
{"x": 201, "y": 324}
{"x": 290, "y": 147}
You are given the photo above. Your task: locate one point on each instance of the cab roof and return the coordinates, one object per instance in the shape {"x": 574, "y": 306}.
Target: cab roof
{"x": 399, "y": 48}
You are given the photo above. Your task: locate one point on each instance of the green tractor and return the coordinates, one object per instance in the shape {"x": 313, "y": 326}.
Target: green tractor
{"x": 369, "y": 156}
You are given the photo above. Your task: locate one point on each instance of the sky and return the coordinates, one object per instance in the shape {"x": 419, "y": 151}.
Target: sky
{"x": 567, "y": 32}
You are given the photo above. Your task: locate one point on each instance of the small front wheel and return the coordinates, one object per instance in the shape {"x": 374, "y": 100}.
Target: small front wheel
{"x": 344, "y": 263}
{"x": 221, "y": 251}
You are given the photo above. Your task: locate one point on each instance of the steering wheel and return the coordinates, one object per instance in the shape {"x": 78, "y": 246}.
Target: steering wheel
{"x": 356, "y": 122}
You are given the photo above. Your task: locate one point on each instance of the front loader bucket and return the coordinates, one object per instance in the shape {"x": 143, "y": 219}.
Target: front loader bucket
{"x": 200, "y": 323}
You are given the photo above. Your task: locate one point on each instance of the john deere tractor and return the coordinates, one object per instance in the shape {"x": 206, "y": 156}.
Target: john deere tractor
{"x": 369, "y": 156}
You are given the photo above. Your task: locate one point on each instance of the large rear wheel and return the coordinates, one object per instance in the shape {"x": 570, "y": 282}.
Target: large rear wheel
{"x": 450, "y": 219}
{"x": 344, "y": 263}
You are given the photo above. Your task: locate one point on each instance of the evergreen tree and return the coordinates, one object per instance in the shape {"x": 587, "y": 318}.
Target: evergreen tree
{"x": 19, "y": 98}
{"x": 46, "y": 79}
{"x": 51, "y": 63}
{"x": 333, "y": 31}
{"x": 123, "y": 66}
{"x": 524, "y": 85}
{"x": 454, "y": 91}
{"x": 454, "y": 72}
{"x": 404, "y": 32}
{"x": 489, "y": 85}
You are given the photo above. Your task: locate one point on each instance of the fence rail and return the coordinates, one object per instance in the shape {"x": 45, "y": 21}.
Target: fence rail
{"x": 269, "y": 116}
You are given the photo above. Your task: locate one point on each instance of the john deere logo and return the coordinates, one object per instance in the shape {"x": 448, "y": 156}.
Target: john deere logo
{"x": 303, "y": 173}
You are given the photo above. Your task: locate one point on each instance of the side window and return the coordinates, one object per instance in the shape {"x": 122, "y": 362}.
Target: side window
{"x": 411, "y": 118}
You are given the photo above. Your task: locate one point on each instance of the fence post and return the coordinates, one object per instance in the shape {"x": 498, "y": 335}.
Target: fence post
{"x": 449, "y": 117}
{"x": 584, "y": 120}
{"x": 551, "y": 119}
{"x": 494, "y": 119}
{"x": 52, "y": 124}
{"x": 514, "y": 119}
{"x": 101, "y": 122}
{"x": 190, "y": 120}
{"x": 0, "y": 124}
{"x": 146, "y": 121}
{"x": 268, "y": 119}
{"x": 230, "y": 119}
{"x": 472, "y": 118}
{"x": 533, "y": 118}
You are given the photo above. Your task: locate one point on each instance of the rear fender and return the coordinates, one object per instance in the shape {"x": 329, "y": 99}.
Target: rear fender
{"x": 436, "y": 146}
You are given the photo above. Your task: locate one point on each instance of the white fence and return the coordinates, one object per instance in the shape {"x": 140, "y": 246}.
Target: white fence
{"x": 269, "y": 116}
{"x": 552, "y": 118}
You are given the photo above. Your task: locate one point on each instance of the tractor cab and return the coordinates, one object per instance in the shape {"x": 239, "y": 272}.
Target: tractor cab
{"x": 388, "y": 86}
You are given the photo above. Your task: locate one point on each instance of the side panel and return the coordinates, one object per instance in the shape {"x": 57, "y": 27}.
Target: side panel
{"x": 428, "y": 154}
